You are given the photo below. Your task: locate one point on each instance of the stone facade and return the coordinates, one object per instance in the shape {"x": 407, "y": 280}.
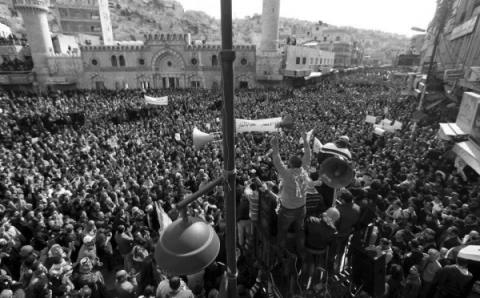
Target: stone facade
{"x": 164, "y": 61}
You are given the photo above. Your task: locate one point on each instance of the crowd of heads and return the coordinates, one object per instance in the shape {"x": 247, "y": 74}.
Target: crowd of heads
{"x": 82, "y": 174}
{"x": 12, "y": 39}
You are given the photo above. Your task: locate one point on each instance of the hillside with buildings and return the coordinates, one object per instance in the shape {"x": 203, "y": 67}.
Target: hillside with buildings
{"x": 132, "y": 19}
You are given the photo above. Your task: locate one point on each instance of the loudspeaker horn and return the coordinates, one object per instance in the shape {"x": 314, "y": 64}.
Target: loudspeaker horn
{"x": 201, "y": 138}
{"x": 336, "y": 172}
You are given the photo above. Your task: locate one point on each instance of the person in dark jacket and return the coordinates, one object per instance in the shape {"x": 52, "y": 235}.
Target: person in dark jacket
{"x": 452, "y": 281}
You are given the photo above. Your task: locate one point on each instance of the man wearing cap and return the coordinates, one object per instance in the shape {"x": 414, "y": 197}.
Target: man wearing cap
{"x": 319, "y": 235}
{"x": 124, "y": 240}
{"x": 294, "y": 181}
{"x": 452, "y": 281}
{"x": 431, "y": 267}
{"x": 349, "y": 216}
{"x": 125, "y": 287}
{"x": 174, "y": 287}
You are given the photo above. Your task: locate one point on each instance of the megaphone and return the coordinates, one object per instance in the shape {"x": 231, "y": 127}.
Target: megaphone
{"x": 286, "y": 123}
{"x": 201, "y": 138}
{"x": 336, "y": 172}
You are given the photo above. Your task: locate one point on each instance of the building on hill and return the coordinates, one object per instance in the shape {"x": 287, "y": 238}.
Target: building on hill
{"x": 86, "y": 17}
{"x": 348, "y": 52}
{"x": 457, "y": 59}
{"x": 308, "y": 58}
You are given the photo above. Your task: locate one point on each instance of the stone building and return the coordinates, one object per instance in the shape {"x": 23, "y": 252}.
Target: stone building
{"x": 164, "y": 61}
{"x": 307, "y": 58}
{"x": 348, "y": 52}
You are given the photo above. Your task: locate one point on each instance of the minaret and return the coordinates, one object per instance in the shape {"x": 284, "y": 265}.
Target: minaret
{"x": 269, "y": 58}
{"x": 270, "y": 20}
{"x": 34, "y": 14}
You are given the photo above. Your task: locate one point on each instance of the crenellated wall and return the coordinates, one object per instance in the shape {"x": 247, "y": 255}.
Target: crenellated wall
{"x": 163, "y": 60}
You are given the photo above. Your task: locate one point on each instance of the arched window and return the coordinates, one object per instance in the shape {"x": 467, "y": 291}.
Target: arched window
{"x": 114, "y": 61}
{"x": 121, "y": 60}
{"x": 214, "y": 60}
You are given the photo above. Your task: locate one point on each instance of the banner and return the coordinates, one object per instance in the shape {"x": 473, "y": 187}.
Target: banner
{"x": 261, "y": 125}
{"x": 371, "y": 119}
{"x": 386, "y": 122}
{"x": 158, "y": 101}
{"x": 378, "y": 130}
{"x": 163, "y": 219}
{"x": 397, "y": 125}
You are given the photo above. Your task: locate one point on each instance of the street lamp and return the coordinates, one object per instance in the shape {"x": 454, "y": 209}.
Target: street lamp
{"x": 188, "y": 245}
{"x": 418, "y": 29}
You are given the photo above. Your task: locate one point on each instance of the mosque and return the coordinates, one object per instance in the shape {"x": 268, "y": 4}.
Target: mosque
{"x": 162, "y": 60}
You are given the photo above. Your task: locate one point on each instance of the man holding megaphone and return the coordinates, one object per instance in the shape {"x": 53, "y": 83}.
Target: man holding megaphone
{"x": 294, "y": 181}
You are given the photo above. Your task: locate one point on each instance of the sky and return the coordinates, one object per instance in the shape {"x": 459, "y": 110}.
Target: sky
{"x": 396, "y": 16}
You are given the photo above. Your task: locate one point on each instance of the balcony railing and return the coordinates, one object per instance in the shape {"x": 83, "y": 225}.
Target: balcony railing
{"x": 40, "y": 4}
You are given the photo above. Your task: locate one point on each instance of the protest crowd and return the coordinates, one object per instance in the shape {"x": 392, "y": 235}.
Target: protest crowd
{"x": 84, "y": 174}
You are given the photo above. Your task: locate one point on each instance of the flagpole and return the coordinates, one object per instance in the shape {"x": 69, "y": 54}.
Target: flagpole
{"x": 227, "y": 57}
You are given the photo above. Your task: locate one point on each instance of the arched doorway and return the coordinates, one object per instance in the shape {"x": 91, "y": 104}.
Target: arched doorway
{"x": 169, "y": 70}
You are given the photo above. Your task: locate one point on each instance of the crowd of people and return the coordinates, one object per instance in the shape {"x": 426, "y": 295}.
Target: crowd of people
{"x": 15, "y": 64}
{"x": 12, "y": 39}
{"x": 84, "y": 174}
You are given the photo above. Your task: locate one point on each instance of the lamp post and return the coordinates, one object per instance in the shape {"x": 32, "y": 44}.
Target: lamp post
{"x": 227, "y": 56}
{"x": 189, "y": 245}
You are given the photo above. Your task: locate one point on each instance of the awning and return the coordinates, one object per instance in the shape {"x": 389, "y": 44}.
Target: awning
{"x": 470, "y": 153}
{"x": 448, "y": 131}
{"x": 313, "y": 75}
{"x": 470, "y": 252}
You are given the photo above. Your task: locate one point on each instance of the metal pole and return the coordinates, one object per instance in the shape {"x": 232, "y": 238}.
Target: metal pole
{"x": 185, "y": 202}
{"x": 227, "y": 57}
{"x": 442, "y": 15}
{"x": 443, "y": 18}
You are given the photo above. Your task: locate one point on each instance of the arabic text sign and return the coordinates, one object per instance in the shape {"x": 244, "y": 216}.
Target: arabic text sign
{"x": 261, "y": 125}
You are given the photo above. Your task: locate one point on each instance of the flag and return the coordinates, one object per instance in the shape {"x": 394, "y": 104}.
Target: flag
{"x": 157, "y": 101}
{"x": 317, "y": 145}
{"x": 309, "y": 137}
{"x": 163, "y": 219}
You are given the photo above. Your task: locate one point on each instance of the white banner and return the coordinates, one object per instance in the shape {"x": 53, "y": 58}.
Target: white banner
{"x": 397, "y": 125}
{"x": 158, "y": 101}
{"x": 386, "y": 122}
{"x": 371, "y": 119}
{"x": 261, "y": 125}
{"x": 378, "y": 130}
